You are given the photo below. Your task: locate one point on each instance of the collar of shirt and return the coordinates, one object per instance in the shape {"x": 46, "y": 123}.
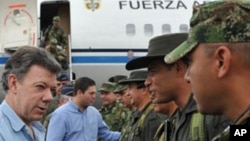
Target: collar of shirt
{"x": 18, "y": 125}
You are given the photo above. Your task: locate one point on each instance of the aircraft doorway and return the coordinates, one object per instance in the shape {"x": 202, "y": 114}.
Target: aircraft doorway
{"x": 47, "y": 11}
{"x": 51, "y": 9}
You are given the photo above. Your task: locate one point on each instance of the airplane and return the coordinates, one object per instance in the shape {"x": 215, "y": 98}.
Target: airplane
{"x": 103, "y": 35}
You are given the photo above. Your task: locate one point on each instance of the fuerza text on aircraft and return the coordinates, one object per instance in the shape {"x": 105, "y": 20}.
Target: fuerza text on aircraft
{"x": 154, "y": 4}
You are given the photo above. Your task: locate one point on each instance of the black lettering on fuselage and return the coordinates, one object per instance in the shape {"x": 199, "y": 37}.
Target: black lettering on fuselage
{"x": 152, "y": 4}
{"x": 180, "y": 4}
{"x": 146, "y": 5}
{"x": 134, "y": 5}
{"x": 158, "y": 4}
{"x": 122, "y": 3}
{"x": 169, "y": 5}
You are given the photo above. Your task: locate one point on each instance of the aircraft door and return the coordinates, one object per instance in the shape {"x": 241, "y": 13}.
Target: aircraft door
{"x": 18, "y": 23}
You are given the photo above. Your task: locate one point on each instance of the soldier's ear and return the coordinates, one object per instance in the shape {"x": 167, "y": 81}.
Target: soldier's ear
{"x": 180, "y": 68}
{"x": 223, "y": 60}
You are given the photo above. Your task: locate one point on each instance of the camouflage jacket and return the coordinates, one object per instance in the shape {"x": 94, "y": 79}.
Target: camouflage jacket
{"x": 114, "y": 115}
{"x": 127, "y": 127}
{"x": 56, "y": 33}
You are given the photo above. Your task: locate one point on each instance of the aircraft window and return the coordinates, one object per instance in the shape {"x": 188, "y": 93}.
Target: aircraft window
{"x": 148, "y": 29}
{"x": 183, "y": 28}
{"x": 130, "y": 29}
{"x": 166, "y": 28}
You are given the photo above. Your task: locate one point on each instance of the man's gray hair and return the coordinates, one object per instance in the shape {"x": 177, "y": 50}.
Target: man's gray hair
{"x": 24, "y": 58}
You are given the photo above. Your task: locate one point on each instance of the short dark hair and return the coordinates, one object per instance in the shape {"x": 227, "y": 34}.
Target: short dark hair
{"x": 83, "y": 83}
{"x": 24, "y": 58}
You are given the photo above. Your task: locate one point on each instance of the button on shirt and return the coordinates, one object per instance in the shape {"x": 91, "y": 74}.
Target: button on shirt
{"x": 68, "y": 123}
{"x": 12, "y": 128}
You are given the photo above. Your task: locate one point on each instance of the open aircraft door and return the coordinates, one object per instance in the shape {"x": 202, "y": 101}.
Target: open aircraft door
{"x": 47, "y": 9}
{"x": 18, "y": 20}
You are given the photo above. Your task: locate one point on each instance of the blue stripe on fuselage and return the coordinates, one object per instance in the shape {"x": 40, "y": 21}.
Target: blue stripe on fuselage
{"x": 89, "y": 59}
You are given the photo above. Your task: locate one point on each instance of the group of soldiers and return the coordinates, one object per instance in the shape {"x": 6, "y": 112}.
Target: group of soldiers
{"x": 131, "y": 114}
{"x": 195, "y": 77}
{"x": 136, "y": 113}
{"x": 166, "y": 102}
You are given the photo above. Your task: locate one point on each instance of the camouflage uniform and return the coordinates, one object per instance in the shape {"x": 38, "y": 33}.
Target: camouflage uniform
{"x": 115, "y": 114}
{"x": 217, "y": 22}
{"x": 126, "y": 129}
{"x": 59, "y": 54}
{"x": 221, "y": 31}
{"x": 56, "y": 33}
{"x": 145, "y": 121}
{"x": 54, "y": 37}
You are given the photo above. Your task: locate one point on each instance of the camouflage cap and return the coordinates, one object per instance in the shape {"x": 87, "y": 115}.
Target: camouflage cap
{"x": 119, "y": 88}
{"x": 135, "y": 76}
{"x": 158, "y": 47}
{"x": 107, "y": 87}
{"x": 117, "y": 78}
{"x": 56, "y": 19}
{"x": 215, "y": 22}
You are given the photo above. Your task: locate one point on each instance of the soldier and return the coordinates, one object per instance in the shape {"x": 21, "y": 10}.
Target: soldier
{"x": 55, "y": 32}
{"x": 115, "y": 79}
{"x": 113, "y": 112}
{"x": 167, "y": 83}
{"x": 56, "y": 42}
{"x": 217, "y": 53}
{"x": 145, "y": 120}
{"x": 58, "y": 53}
{"x": 126, "y": 100}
